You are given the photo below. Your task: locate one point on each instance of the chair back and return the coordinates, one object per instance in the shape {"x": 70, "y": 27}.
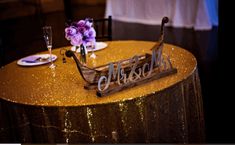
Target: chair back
{"x": 103, "y": 29}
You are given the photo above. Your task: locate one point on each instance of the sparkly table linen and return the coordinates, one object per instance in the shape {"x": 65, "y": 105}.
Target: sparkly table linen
{"x": 40, "y": 105}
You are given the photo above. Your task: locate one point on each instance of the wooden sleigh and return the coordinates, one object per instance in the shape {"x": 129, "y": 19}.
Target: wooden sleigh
{"x": 116, "y": 76}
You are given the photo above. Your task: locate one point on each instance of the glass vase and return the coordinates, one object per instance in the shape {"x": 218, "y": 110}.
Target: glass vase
{"x": 83, "y": 53}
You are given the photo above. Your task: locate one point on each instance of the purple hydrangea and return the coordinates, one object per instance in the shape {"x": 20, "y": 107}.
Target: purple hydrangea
{"x": 80, "y": 32}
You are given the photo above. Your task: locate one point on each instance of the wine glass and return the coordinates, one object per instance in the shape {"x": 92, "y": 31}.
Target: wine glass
{"x": 93, "y": 42}
{"x": 47, "y": 34}
{"x": 93, "y": 55}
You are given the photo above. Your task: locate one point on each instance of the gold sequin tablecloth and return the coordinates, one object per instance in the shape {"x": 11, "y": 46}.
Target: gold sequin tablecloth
{"x": 40, "y": 105}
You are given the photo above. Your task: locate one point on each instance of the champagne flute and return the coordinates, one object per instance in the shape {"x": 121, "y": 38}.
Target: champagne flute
{"x": 93, "y": 45}
{"x": 47, "y": 34}
{"x": 93, "y": 42}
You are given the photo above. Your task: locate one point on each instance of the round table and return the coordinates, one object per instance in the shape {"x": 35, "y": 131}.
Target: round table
{"x": 42, "y": 105}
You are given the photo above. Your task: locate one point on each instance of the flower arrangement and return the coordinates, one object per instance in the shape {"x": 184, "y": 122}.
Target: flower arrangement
{"x": 81, "y": 33}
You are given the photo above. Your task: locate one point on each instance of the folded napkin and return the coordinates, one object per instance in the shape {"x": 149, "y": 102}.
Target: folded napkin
{"x": 31, "y": 59}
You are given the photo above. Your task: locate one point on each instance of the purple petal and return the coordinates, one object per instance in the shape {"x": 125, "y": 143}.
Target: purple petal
{"x": 69, "y": 32}
{"x": 76, "y": 40}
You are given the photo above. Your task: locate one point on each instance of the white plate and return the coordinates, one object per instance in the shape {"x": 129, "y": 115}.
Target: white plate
{"x": 32, "y": 60}
{"x": 99, "y": 46}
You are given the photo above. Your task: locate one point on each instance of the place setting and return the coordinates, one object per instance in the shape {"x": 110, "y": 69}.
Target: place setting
{"x": 40, "y": 59}
{"x": 37, "y": 59}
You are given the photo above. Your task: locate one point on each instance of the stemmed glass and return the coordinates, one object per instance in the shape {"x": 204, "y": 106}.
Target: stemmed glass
{"x": 47, "y": 34}
{"x": 93, "y": 45}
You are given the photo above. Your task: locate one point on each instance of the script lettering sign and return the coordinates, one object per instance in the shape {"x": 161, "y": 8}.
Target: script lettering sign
{"x": 118, "y": 78}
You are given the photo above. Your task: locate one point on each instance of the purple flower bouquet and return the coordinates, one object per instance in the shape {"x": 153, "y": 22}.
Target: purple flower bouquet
{"x": 81, "y": 33}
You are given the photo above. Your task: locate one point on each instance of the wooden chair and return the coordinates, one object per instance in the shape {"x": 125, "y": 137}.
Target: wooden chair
{"x": 103, "y": 29}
